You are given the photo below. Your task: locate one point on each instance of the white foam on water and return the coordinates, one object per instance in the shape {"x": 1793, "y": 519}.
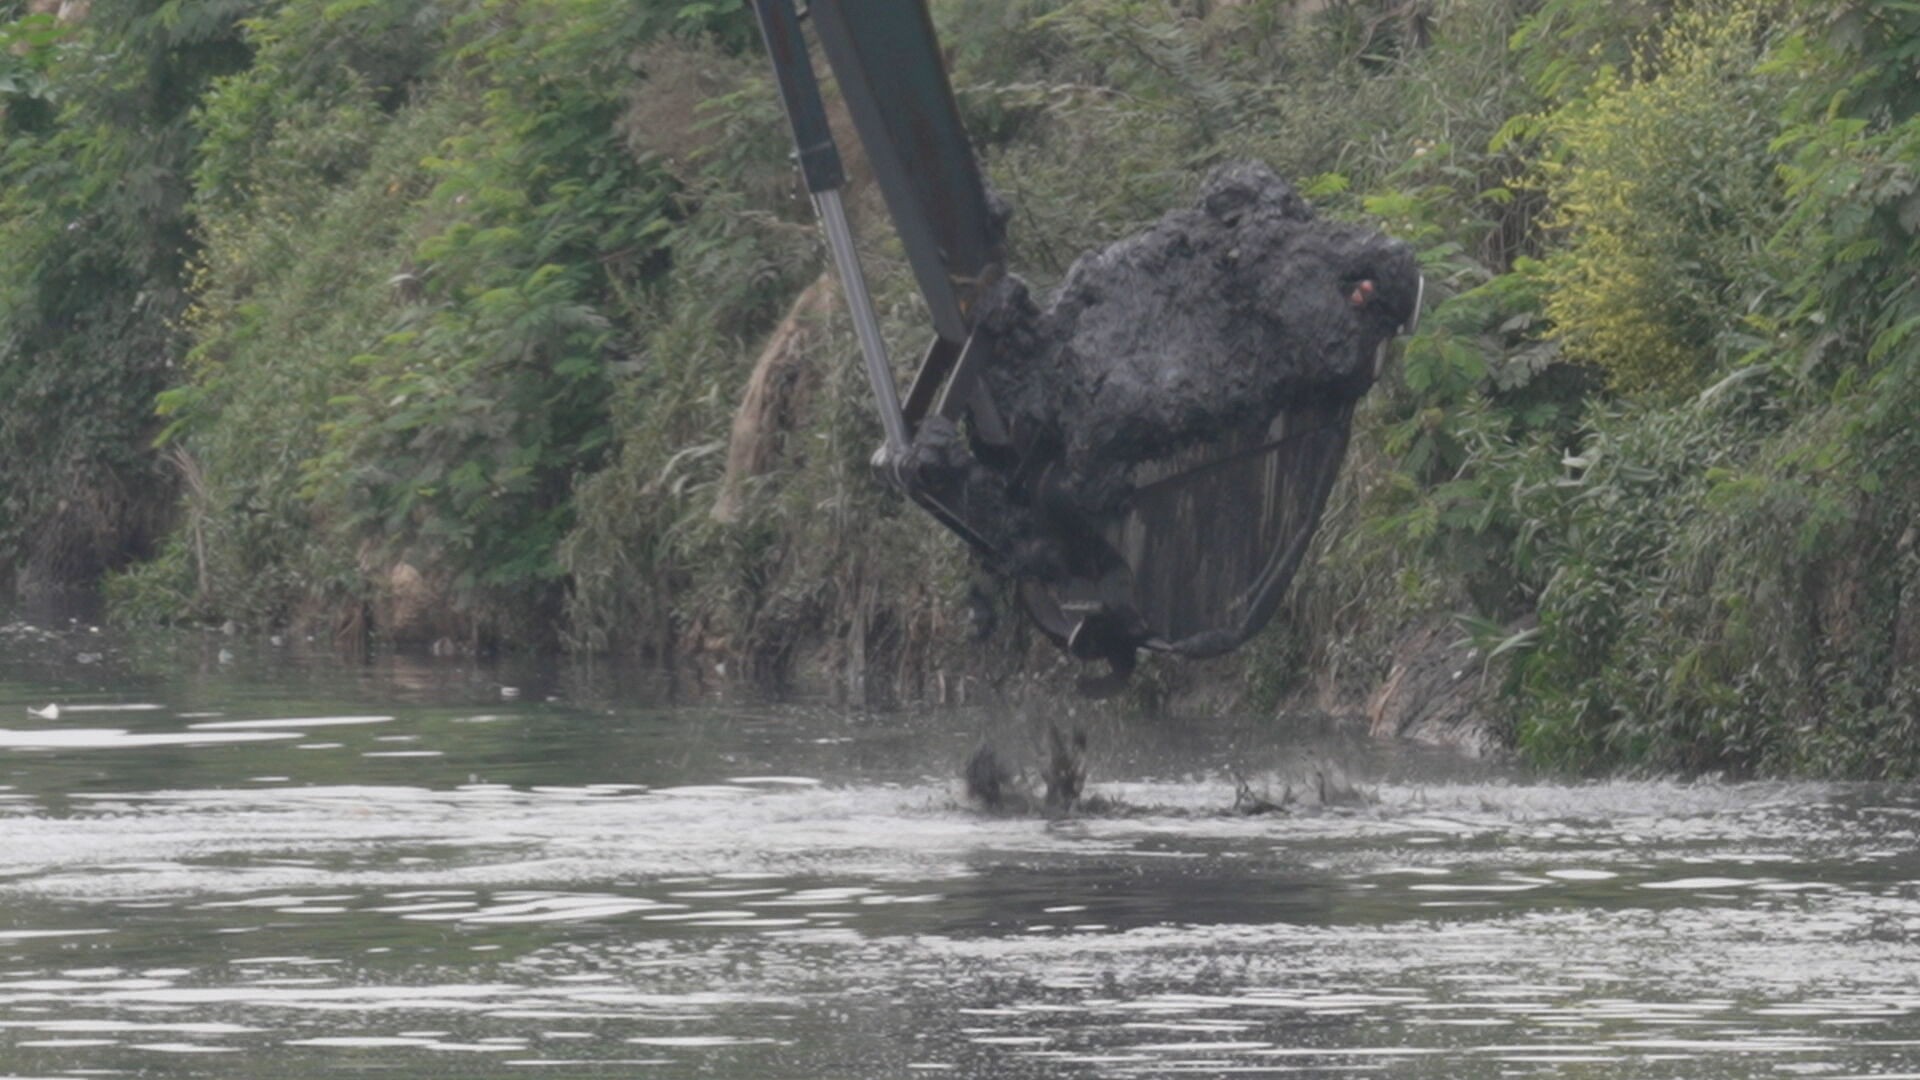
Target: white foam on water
{"x": 301, "y": 722}
{"x": 121, "y": 739}
{"x": 557, "y": 909}
{"x": 1221, "y": 1046}
{"x": 691, "y": 1041}
{"x": 360, "y": 1042}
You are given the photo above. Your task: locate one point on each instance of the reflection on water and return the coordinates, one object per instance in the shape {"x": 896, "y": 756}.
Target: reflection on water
{"x": 298, "y": 867}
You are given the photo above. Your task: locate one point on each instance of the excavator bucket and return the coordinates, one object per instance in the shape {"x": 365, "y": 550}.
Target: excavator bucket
{"x": 1244, "y": 515}
{"x": 1209, "y": 542}
{"x": 1148, "y": 452}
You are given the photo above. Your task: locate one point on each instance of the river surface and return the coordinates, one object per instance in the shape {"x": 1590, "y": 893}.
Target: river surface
{"x": 276, "y": 865}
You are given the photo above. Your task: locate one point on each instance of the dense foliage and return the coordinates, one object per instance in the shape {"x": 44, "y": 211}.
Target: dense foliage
{"x": 432, "y": 316}
{"x": 98, "y": 140}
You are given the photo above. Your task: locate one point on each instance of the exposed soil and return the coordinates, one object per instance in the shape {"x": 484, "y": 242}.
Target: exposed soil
{"x": 1438, "y": 690}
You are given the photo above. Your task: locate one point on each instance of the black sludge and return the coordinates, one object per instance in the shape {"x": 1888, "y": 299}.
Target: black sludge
{"x": 1211, "y": 321}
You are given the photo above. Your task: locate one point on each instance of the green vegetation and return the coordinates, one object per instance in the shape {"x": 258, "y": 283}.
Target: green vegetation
{"x": 323, "y": 315}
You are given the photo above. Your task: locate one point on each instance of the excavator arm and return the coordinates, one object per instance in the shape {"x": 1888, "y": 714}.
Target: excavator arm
{"x": 1181, "y": 538}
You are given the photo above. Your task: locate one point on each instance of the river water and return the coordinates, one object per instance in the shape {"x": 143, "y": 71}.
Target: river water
{"x": 274, "y": 864}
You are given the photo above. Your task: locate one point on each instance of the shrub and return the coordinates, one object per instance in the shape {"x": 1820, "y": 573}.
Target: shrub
{"x": 1663, "y": 182}
{"x": 95, "y": 150}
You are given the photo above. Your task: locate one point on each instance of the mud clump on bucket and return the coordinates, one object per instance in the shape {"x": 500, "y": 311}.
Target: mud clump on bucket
{"x": 1209, "y": 322}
